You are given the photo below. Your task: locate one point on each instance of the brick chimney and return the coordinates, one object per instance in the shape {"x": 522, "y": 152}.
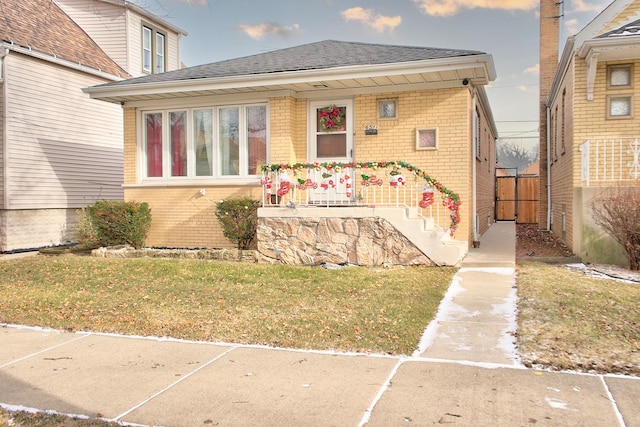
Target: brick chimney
{"x": 549, "y": 43}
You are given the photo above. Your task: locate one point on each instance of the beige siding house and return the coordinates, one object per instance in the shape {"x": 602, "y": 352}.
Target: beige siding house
{"x": 59, "y": 149}
{"x": 330, "y": 134}
{"x": 593, "y": 128}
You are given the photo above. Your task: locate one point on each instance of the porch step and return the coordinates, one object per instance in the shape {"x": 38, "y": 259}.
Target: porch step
{"x": 436, "y": 244}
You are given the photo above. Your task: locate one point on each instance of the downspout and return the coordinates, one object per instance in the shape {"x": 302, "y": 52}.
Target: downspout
{"x": 3, "y": 52}
{"x": 548, "y": 134}
{"x": 474, "y": 135}
{"x": 3, "y": 98}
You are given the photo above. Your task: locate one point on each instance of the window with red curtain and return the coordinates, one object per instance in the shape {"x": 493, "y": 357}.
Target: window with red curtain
{"x": 178, "y": 143}
{"x": 153, "y": 133}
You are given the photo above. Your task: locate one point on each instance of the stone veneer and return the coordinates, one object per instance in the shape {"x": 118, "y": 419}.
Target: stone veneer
{"x": 312, "y": 241}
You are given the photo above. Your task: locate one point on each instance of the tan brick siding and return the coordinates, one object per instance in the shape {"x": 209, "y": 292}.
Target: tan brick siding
{"x": 130, "y": 146}
{"x": 182, "y": 217}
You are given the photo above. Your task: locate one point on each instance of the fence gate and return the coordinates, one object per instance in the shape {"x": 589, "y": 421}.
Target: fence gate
{"x": 517, "y": 198}
{"x": 506, "y": 198}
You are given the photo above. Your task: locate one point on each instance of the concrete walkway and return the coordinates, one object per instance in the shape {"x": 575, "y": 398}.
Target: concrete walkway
{"x": 465, "y": 373}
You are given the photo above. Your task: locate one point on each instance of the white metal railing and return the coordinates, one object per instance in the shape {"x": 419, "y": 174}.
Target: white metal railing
{"x": 358, "y": 186}
{"x": 607, "y": 160}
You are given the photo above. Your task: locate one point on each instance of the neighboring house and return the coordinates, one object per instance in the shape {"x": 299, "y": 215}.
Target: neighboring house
{"x": 202, "y": 134}
{"x": 593, "y": 128}
{"x": 59, "y": 149}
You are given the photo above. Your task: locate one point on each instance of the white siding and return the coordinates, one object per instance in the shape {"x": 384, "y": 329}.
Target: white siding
{"x": 64, "y": 149}
{"x": 1, "y": 150}
{"x": 104, "y": 23}
{"x": 135, "y": 22}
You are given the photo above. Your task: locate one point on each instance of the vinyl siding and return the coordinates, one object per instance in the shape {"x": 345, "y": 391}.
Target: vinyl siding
{"x": 1, "y": 147}
{"x": 104, "y": 23}
{"x": 64, "y": 150}
{"x": 134, "y": 44}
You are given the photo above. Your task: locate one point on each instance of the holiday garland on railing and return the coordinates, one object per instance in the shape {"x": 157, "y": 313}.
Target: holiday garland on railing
{"x": 449, "y": 199}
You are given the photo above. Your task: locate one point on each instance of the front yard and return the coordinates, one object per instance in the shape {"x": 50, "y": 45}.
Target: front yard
{"x": 382, "y": 310}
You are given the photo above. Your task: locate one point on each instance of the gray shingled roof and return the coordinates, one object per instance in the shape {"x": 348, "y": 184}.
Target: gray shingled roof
{"x": 314, "y": 56}
{"x": 40, "y": 25}
{"x": 631, "y": 29}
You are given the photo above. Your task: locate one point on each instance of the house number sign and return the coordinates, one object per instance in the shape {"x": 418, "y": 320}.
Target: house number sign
{"x": 371, "y": 129}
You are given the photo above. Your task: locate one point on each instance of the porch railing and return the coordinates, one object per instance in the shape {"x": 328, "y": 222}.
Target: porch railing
{"x": 609, "y": 160}
{"x": 365, "y": 184}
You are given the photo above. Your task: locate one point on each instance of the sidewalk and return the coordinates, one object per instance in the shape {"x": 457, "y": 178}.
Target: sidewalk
{"x": 465, "y": 372}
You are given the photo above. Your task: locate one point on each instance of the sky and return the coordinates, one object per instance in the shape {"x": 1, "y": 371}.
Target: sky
{"x": 506, "y": 29}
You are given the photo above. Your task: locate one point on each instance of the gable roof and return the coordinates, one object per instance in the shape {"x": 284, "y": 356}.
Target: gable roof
{"x": 630, "y": 29}
{"x": 622, "y": 43}
{"x": 320, "y": 65}
{"x": 143, "y": 12}
{"x": 41, "y": 26}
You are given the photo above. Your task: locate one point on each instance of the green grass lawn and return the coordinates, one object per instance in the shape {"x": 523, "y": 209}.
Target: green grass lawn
{"x": 383, "y": 310}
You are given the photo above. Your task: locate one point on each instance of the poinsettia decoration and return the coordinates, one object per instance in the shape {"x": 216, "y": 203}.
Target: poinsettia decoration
{"x": 449, "y": 199}
{"x": 332, "y": 118}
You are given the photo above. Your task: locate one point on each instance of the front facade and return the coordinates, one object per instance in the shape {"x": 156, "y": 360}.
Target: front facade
{"x": 59, "y": 149}
{"x": 203, "y": 134}
{"x": 593, "y": 128}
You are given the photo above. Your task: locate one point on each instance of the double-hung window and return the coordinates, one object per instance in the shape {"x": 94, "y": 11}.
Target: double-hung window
{"x": 153, "y": 50}
{"x": 215, "y": 142}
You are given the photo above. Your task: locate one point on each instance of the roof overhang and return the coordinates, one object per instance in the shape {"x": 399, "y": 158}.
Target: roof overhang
{"x": 478, "y": 70}
{"x": 607, "y": 49}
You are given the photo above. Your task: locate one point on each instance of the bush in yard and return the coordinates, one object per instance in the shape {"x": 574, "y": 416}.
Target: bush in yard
{"x": 617, "y": 211}
{"x": 239, "y": 219}
{"x": 117, "y": 222}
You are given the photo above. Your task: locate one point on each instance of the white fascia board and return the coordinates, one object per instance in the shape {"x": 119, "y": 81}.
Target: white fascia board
{"x": 484, "y": 61}
{"x": 148, "y": 15}
{"x": 58, "y": 61}
{"x": 561, "y": 69}
{"x": 593, "y": 28}
{"x": 609, "y": 44}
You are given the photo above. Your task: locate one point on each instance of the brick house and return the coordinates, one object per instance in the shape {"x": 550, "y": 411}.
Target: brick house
{"x": 307, "y": 129}
{"x": 591, "y": 138}
{"x": 59, "y": 149}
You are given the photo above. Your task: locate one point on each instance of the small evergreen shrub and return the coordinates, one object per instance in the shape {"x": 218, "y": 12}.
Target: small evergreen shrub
{"x": 117, "y": 222}
{"x": 239, "y": 219}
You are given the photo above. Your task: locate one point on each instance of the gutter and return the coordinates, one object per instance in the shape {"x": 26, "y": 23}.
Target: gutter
{"x": 154, "y": 86}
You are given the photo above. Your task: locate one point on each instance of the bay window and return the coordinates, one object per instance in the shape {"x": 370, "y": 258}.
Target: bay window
{"x": 215, "y": 142}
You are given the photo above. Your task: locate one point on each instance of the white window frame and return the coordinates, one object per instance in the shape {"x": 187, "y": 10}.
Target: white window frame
{"x": 216, "y": 172}
{"x": 157, "y": 61}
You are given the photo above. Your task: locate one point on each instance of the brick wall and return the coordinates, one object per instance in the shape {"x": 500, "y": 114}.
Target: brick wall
{"x": 182, "y": 217}
{"x": 549, "y": 43}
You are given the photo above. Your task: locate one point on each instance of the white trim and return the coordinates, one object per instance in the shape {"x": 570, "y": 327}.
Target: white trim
{"x": 63, "y": 62}
{"x": 298, "y": 77}
{"x": 597, "y": 24}
{"x": 191, "y": 179}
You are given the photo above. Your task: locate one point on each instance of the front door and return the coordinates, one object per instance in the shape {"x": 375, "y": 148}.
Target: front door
{"x": 331, "y": 140}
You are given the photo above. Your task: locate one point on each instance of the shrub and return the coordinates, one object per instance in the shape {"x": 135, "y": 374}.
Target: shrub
{"x": 85, "y": 232}
{"x": 239, "y": 220}
{"x": 118, "y": 222}
{"x": 617, "y": 211}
